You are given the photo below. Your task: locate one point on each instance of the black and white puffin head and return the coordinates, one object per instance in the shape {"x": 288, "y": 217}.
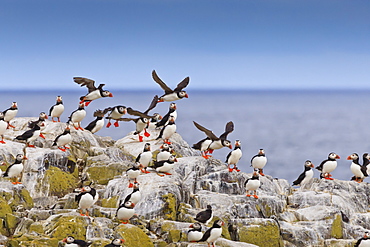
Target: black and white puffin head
{"x": 182, "y": 94}
{"x": 308, "y": 164}
{"x": 333, "y": 156}
{"x": 86, "y": 189}
{"x": 43, "y": 116}
{"x": 218, "y": 224}
{"x": 172, "y": 159}
{"x": 196, "y": 226}
{"x": 173, "y": 106}
{"x": 1, "y": 115}
{"x": 59, "y": 100}
{"x": 147, "y": 147}
{"x": 237, "y": 144}
{"x": 120, "y": 109}
{"x": 128, "y": 204}
{"x": 106, "y": 93}
{"x": 69, "y": 240}
{"x": 117, "y": 242}
{"x": 226, "y": 143}
{"x": 354, "y": 157}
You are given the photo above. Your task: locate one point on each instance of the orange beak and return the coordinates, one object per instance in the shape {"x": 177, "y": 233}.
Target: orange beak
{"x": 349, "y": 157}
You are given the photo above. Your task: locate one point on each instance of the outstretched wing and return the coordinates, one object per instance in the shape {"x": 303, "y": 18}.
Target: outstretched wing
{"x": 208, "y": 132}
{"x": 163, "y": 85}
{"x": 86, "y": 82}
{"x": 228, "y": 129}
{"x": 152, "y": 104}
{"x": 137, "y": 113}
{"x": 182, "y": 85}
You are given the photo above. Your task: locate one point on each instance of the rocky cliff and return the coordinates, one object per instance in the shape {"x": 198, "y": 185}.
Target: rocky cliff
{"x": 41, "y": 211}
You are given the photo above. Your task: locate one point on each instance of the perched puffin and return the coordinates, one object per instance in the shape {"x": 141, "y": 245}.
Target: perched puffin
{"x": 94, "y": 92}
{"x": 144, "y": 158}
{"x": 328, "y": 165}
{"x": 42, "y": 118}
{"x": 57, "y": 109}
{"x": 116, "y": 113}
{"x": 213, "y": 233}
{"x": 77, "y": 116}
{"x": 98, "y": 123}
{"x": 86, "y": 198}
{"x": 169, "y": 94}
{"x": 259, "y": 161}
{"x": 63, "y": 139}
{"x": 165, "y": 152}
{"x": 71, "y": 242}
{"x": 366, "y": 161}
{"x": 358, "y": 170}
{"x": 306, "y": 175}
{"x": 167, "y": 131}
{"x": 15, "y": 170}
{"x": 3, "y": 127}
{"x": 31, "y": 135}
{"x": 125, "y": 211}
{"x": 205, "y": 216}
{"x": 133, "y": 173}
{"x": 234, "y": 156}
{"x": 195, "y": 233}
{"x": 115, "y": 242}
{"x": 364, "y": 241}
{"x": 252, "y": 184}
{"x": 171, "y": 112}
{"x": 154, "y": 120}
{"x": 214, "y": 141}
{"x": 10, "y": 113}
{"x": 164, "y": 166}
{"x": 134, "y": 196}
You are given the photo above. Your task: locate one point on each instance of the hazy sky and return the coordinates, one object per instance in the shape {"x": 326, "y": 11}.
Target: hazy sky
{"x": 229, "y": 44}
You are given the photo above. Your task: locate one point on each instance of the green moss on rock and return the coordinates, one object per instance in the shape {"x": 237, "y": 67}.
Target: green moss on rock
{"x": 337, "y": 227}
{"x": 4, "y": 208}
{"x": 133, "y": 235}
{"x": 102, "y": 174}
{"x": 109, "y": 202}
{"x": 265, "y": 234}
{"x": 60, "y": 182}
{"x": 11, "y": 222}
{"x": 69, "y": 226}
{"x": 169, "y": 208}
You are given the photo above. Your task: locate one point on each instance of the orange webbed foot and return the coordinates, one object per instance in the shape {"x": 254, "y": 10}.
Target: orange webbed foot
{"x": 116, "y": 124}
{"x": 2, "y": 142}
{"x": 167, "y": 173}
{"x": 130, "y": 185}
{"x": 146, "y": 134}
{"x": 108, "y": 124}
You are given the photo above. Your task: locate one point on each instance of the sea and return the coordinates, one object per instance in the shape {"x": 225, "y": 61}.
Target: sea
{"x": 292, "y": 126}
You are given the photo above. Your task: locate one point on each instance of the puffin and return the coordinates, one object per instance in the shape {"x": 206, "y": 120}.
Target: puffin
{"x": 77, "y": 116}
{"x": 205, "y": 216}
{"x": 165, "y": 152}
{"x": 42, "y": 118}
{"x": 3, "y": 127}
{"x": 195, "y": 233}
{"x": 366, "y": 161}
{"x": 15, "y": 169}
{"x": 328, "y": 165}
{"x": 125, "y": 211}
{"x": 115, "y": 242}
{"x": 71, "y": 242}
{"x": 56, "y": 110}
{"x": 63, "y": 139}
{"x": 169, "y": 94}
{"x": 213, "y": 233}
{"x": 306, "y": 175}
{"x": 214, "y": 141}
{"x": 116, "y": 112}
{"x": 364, "y": 241}
{"x": 134, "y": 196}
{"x": 132, "y": 173}
{"x": 171, "y": 112}
{"x": 86, "y": 198}
{"x": 359, "y": 171}
{"x": 144, "y": 158}
{"x": 234, "y": 156}
{"x": 98, "y": 123}
{"x": 259, "y": 161}
{"x": 93, "y": 92}
{"x": 252, "y": 184}
{"x": 154, "y": 120}
{"x": 164, "y": 166}
{"x": 167, "y": 131}
{"x": 31, "y": 135}
{"x": 10, "y": 113}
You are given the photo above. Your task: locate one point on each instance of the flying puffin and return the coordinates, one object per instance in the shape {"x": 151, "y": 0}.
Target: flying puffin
{"x": 214, "y": 141}
{"x": 143, "y": 120}
{"x": 205, "y": 216}
{"x": 94, "y": 92}
{"x": 134, "y": 196}
{"x": 171, "y": 112}
{"x": 57, "y": 109}
{"x": 259, "y": 161}
{"x": 10, "y": 113}
{"x": 125, "y": 211}
{"x": 364, "y": 241}
{"x": 358, "y": 170}
{"x": 71, "y": 242}
{"x": 42, "y": 118}
{"x": 86, "y": 198}
{"x": 133, "y": 173}
{"x": 98, "y": 123}
{"x": 328, "y": 165}
{"x": 3, "y": 127}
{"x": 15, "y": 169}
{"x": 252, "y": 184}
{"x": 77, "y": 116}
{"x": 116, "y": 113}
{"x": 168, "y": 130}
{"x": 306, "y": 175}
{"x": 63, "y": 139}
{"x": 213, "y": 233}
{"x": 169, "y": 94}
{"x": 195, "y": 233}
{"x": 165, "y": 152}
{"x": 144, "y": 158}
{"x": 31, "y": 135}
{"x": 234, "y": 156}
{"x": 115, "y": 242}
{"x": 164, "y": 166}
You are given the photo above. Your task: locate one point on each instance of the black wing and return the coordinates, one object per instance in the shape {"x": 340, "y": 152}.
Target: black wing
{"x": 206, "y": 235}
{"x": 208, "y": 132}
{"x": 182, "y": 85}
{"x": 228, "y": 129}
{"x": 163, "y": 85}
{"x": 86, "y": 82}
{"x": 152, "y": 104}
{"x": 137, "y": 113}
{"x": 91, "y": 125}
{"x": 299, "y": 179}
{"x": 25, "y": 135}
{"x": 321, "y": 165}
{"x": 6, "y": 173}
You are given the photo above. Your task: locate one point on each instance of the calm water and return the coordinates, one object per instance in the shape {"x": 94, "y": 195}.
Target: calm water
{"x": 292, "y": 126}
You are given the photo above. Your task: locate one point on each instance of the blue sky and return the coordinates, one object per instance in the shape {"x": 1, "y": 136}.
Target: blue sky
{"x": 220, "y": 44}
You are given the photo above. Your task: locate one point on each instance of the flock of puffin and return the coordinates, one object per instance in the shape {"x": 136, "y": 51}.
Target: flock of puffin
{"x": 165, "y": 159}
